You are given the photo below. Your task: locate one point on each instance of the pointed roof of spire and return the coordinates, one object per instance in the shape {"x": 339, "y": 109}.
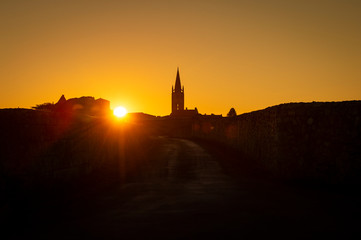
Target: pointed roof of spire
{"x": 177, "y": 86}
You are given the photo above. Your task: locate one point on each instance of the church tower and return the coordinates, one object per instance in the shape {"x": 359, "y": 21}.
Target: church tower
{"x": 177, "y": 96}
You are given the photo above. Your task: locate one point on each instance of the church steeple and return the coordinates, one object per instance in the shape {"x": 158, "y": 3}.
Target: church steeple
{"x": 177, "y": 86}
{"x": 177, "y": 96}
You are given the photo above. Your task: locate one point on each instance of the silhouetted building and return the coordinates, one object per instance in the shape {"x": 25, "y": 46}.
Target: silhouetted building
{"x": 177, "y": 95}
{"x": 85, "y": 105}
{"x": 178, "y": 100}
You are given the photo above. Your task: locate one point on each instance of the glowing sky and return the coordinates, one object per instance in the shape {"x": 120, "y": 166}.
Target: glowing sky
{"x": 243, "y": 54}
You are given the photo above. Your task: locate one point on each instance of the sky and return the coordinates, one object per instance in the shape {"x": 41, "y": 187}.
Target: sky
{"x": 243, "y": 54}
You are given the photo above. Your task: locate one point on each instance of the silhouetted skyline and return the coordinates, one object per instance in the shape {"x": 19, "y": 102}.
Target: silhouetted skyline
{"x": 243, "y": 54}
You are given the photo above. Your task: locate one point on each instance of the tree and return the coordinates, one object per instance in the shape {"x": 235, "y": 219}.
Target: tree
{"x": 44, "y": 106}
{"x": 232, "y": 113}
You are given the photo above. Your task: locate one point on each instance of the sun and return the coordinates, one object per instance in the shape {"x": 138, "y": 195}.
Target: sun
{"x": 120, "y": 112}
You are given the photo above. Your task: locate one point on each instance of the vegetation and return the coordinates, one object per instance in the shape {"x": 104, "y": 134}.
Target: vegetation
{"x": 44, "y": 106}
{"x": 232, "y": 113}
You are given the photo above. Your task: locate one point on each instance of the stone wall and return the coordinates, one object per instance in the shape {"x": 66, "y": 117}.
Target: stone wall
{"x": 298, "y": 140}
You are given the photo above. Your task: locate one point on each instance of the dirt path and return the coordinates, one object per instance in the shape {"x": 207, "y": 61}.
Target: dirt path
{"x": 187, "y": 195}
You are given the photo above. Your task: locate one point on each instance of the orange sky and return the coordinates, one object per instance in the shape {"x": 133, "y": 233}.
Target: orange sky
{"x": 243, "y": 54}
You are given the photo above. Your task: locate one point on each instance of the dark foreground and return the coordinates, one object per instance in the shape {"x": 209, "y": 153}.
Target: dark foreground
{"x": 191, "y": 191}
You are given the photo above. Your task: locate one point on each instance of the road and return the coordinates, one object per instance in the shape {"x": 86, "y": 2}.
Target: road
{"x": 188, "y": 194}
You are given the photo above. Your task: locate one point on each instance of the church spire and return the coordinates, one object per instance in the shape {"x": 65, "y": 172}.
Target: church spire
{"x": 177, "y": 96}
{"x": 177, "y": 86}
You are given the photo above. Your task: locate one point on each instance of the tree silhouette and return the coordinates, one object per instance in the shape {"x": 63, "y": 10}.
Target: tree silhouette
{"x": 232, "y": 113}
{"x": 44, "y": 106}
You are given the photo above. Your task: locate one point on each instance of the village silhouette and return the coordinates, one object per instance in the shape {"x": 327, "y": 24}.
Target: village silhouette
{"x": 100, "y": 107}
{"x": 70, "y": 170}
